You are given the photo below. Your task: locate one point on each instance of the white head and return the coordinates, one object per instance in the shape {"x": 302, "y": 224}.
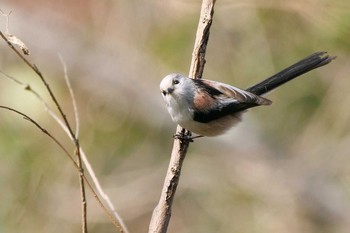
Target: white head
{"x": 178, "y": 93}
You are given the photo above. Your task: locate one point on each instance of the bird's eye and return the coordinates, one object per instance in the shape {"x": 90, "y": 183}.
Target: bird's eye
{"x": 175, "y": 81}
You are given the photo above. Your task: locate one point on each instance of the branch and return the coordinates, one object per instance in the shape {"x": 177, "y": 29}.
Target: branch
{"x": 118, "y": 226}
{"x": 26, "y": 117}
{"x": 74, "y": 137}
{"x": 202, "y": 38}
{"x": 71, "y": 92}
{"x": 11, "y": 38}
{"x": 77, "y": 149}
{"x": 118, "y": 221}
{"x": 66, "y": 122}
{"x": 162, "y": 213}
{"x": 47, "y": 86}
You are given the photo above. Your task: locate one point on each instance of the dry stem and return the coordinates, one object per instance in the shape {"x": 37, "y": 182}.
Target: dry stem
{"x": 118, "y": 221}
{"x": 26, "y": 117}
{"x": 162, "y": 213}
{"x": 74, "y": 136}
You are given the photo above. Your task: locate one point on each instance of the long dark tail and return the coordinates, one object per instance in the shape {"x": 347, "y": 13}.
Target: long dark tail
{"x": 307, "y": 64}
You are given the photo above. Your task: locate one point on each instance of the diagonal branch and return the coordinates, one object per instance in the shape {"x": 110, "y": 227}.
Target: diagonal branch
{"x": 118, "y": 226}
{"x": 26, "y": 117}
{"x": 66, "y": 122}
{"x": 71, "y": 92}
{"x": 47, "y": 86}
{"x": 202, "y": 38}
{"x": 162, "y": 213}
{"x": 118, "y": 221}
{"x": 77, "y": 149}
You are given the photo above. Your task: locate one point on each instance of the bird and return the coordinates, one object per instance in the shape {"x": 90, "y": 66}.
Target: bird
{"x": 210, "y": 108}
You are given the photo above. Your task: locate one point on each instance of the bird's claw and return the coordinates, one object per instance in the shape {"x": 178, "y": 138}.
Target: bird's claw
{"x": 185, "y": 137}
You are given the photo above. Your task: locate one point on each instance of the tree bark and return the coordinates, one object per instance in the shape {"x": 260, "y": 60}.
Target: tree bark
{"x": 162, "y": 213}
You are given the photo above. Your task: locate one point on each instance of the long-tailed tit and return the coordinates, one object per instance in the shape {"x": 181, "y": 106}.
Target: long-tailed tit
{"x": 210, "y": 108}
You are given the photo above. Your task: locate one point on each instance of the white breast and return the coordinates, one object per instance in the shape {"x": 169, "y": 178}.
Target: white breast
{"x": 179, "y": 111}
{"x": 213, "y": 128}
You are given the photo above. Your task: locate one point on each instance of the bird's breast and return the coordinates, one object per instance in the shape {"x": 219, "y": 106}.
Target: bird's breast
{"x": 179, "y": 111}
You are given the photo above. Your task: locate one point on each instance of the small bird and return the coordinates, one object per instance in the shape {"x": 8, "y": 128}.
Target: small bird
{"x": 210, "y": 108}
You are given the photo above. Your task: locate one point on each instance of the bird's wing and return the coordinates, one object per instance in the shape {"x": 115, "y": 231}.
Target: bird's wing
{"x": 231, "y": 92}
{"x": 214, "y": 100}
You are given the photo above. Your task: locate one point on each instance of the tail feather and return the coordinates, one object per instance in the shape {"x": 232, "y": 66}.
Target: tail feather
{"x": 305, "y": 65}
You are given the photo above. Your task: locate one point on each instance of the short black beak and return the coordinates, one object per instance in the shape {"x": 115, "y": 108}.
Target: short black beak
{"x": 170, "y": 90}
{"x": 167, "y": 91}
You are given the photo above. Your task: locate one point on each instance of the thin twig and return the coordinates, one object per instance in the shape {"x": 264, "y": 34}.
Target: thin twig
{"x": 76, "y": 141}
{"x": 71, "y": 92}
{"x": 202, "y": 38}
{"x": 11, "y": 38}
{"x": 82, "y": 188}
{"x": 7, "y": 16}
{"x": 109, "y": 215}
{"x": 47, "y": 86}
{"x": 47, "y": 108}
{"x": 162, "y": 213}
{"x": 88, "y": 167}
{"x": 26, "y": 117}
{"x": 77, "y": 150}
{"x": 117, "y": 221}
{"x": 86, "y": 162}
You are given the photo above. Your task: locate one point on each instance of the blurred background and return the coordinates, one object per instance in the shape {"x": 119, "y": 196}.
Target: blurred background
{"x": 285, "y": 168}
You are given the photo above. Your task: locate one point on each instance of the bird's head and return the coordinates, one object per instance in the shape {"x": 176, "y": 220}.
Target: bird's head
{"x": 177, "y": 87}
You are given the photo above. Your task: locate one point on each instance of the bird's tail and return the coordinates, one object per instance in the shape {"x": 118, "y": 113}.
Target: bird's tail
{"x": 305, "y": 65}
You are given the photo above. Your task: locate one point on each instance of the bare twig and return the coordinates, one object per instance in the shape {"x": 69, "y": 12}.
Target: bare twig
{"x": 122, "y": 226}
{"x": 47, "y": 86}
{"x": 88, "y": 167}
{"x": 7, "y": 16}
{"x": 117, "y": 221}
{"x": 26, "y": 117}
{"x": 47, "y": 108}
{"x": 162, "y": 212}
{"x": 202, "y": 38}
{"x": 77, "y": 149}
{"x": 66, "y": 122}
{"x": 13, "y": 39}
{"x": 109, "y": 215}
{"x": 71, "y": 92}
{"x": 82, "y": 188}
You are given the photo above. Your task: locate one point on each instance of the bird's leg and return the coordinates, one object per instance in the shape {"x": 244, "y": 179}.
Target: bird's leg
{"x": 198, "y": 136}
{"x": 186, "y": 136}
{"x": 183, "y": 137}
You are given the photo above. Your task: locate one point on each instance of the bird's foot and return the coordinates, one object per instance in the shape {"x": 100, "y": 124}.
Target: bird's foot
{"x": 186, "y": 137}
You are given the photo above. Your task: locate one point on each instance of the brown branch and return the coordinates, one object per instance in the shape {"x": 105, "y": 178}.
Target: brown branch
{"x": 26, "y": 117}
{"x": 77, "y": 149}
{"x": 76, "y": 141}
{"x": 71, "y": 92}
{"x": 47, "y": 86}
{"x": 162, "y": 213}
{"x": 108, "y": 213}
{"x": 82, "y": 188}
{"x": 117, "y": 221}
{"x": 202, "y": 38}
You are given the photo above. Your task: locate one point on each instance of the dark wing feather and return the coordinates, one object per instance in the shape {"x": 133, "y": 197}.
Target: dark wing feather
{"x": 221, "y": 100}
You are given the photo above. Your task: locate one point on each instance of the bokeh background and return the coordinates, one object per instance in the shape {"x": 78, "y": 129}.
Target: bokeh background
{"x": 286, "y": 168}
